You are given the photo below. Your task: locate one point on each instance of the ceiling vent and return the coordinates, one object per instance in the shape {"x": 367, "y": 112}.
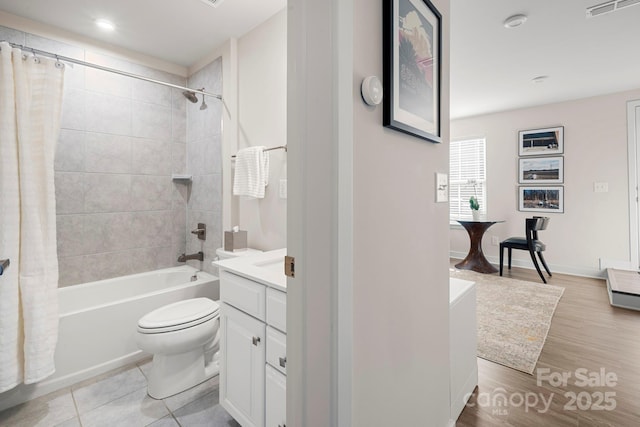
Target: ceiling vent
{"x": 610, "y": 6}
{"x": 216, "y": 3}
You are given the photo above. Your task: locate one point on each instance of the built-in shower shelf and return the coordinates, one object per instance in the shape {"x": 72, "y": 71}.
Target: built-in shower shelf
{"x": 181, "y": 178}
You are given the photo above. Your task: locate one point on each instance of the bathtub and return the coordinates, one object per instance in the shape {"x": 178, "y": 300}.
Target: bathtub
{"x": 98, "y": 323}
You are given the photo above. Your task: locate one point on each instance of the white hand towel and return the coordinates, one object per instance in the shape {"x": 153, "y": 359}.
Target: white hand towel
{"x": 251, "y": 173}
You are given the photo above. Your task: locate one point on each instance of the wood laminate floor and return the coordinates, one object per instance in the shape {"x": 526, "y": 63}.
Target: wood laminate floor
{"x": 588, "y": 373}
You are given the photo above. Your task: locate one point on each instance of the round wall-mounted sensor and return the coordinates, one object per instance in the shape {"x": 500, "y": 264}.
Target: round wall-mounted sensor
{"x": 371, "y": 90}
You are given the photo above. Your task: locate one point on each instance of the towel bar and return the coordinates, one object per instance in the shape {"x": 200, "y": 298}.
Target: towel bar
{"x": 4, "y": 263}
{"x": 281, "y": 147}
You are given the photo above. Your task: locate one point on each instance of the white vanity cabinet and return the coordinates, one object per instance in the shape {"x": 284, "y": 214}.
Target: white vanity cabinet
{"x": 253, "y": 346}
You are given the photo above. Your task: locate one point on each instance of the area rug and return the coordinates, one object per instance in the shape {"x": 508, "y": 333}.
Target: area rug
{"x": 513, "y": 318}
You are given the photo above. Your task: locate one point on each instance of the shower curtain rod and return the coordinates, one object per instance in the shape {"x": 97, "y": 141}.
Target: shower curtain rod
{"x": 110, "y": 70}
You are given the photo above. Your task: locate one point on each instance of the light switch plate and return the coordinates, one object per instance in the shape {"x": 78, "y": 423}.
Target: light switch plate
{"x": 442, "y": 187}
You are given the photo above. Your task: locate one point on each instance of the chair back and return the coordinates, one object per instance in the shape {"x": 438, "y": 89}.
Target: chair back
{"x": 535, "y": 224}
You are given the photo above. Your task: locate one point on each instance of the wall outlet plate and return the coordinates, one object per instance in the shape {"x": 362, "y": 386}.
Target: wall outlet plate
{"x": 600, "y": 187}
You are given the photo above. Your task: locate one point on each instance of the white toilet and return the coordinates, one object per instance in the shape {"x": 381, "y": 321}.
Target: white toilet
{"x": 184, "y": 340}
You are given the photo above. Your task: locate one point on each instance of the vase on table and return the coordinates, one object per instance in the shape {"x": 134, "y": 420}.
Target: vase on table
{"x": 475, "y": 214}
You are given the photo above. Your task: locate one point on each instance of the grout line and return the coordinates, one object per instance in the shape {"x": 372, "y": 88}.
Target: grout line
{"x": 175, "y": 419}
{"x": 163, "y": 400}
{"x": 171, "y": 413}
{"x": 75, "y": 405}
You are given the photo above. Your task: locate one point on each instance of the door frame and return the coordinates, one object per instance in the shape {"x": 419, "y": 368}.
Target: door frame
{"x": 633, "y": 140}
{"x": 320, "y": 99}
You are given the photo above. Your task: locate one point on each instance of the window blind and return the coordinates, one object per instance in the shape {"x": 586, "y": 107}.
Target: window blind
{"x": 467, "y": 177}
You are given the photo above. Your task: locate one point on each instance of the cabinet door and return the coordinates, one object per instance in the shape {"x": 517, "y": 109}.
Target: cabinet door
{"x": 276, "y": 398}
{"x": 242, "y": 351}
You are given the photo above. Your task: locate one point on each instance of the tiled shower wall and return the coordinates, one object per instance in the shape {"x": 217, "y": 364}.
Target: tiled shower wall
{"x": 118, "y": 211}
{"x": 204, "y": 141}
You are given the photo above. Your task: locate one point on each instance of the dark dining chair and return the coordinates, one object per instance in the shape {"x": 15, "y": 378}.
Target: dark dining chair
{"x": 529, "y": 243}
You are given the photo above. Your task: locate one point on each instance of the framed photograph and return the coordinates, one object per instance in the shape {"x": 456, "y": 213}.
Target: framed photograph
{"x": 412, "y": 37}
{"x": 537, "y": 142}
{"x": 541, "y": 170}
{"x": 541, "y": 199}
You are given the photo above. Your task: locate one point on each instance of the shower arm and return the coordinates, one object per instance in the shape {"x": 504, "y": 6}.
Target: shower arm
{"x": 110, "y": 70}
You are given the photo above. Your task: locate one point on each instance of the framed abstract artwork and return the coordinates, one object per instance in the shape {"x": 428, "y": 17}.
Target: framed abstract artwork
{"x": 412, "y": 37}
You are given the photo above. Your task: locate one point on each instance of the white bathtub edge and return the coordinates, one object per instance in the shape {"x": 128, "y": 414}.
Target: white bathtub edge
{"x": 24, "y": 393}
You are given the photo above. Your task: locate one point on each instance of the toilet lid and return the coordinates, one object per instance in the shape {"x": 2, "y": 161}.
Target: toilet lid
{"x": 179, "y": 315}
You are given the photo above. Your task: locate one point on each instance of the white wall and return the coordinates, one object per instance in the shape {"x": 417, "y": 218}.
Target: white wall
{"x": 399, "y": 371}
{"x": 401, "y": 236}
{"x": 594, "y": 225}
{"x": 262, "y": 120}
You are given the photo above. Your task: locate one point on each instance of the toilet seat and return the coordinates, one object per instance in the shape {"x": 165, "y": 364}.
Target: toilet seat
{"x": 179, "y": 315}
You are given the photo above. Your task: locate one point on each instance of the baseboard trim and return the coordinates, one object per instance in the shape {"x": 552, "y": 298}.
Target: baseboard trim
{"x": 555, "y": 268}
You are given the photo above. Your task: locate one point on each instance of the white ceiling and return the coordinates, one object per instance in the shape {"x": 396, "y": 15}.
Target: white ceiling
{"x": 491, "y": 66}
{"x": 177, "y": 31}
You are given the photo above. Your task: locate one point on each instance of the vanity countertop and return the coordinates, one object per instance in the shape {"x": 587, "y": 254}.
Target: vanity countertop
{"x": 266, "y": 268}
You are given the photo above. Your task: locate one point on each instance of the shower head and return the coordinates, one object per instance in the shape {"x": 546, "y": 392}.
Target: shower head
{"x": 191, "y": 96}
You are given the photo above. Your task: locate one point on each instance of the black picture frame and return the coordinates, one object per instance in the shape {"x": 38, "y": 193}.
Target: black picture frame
{"x": 412, "y": 75}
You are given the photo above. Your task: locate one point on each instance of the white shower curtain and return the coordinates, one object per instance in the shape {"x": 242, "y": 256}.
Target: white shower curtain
{"x": 30, "y": 110}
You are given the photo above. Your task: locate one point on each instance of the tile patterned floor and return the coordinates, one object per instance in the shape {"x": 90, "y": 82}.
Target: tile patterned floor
{"x": 119, "y": 399}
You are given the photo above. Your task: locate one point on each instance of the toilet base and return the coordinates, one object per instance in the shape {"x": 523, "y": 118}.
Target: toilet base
{"x": 174, "y": 373}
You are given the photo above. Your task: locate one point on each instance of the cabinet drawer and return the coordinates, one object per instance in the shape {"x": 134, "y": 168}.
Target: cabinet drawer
{"x": 277, "y": 309}
{"x": 243, "y": 294}
{"x": 277, "y": 349}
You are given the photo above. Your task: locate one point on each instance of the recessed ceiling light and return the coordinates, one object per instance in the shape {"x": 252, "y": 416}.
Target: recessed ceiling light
{"x": 540, "y": 79}
{"x": 105, "y": 24}
{"x": 515, "y": 21}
